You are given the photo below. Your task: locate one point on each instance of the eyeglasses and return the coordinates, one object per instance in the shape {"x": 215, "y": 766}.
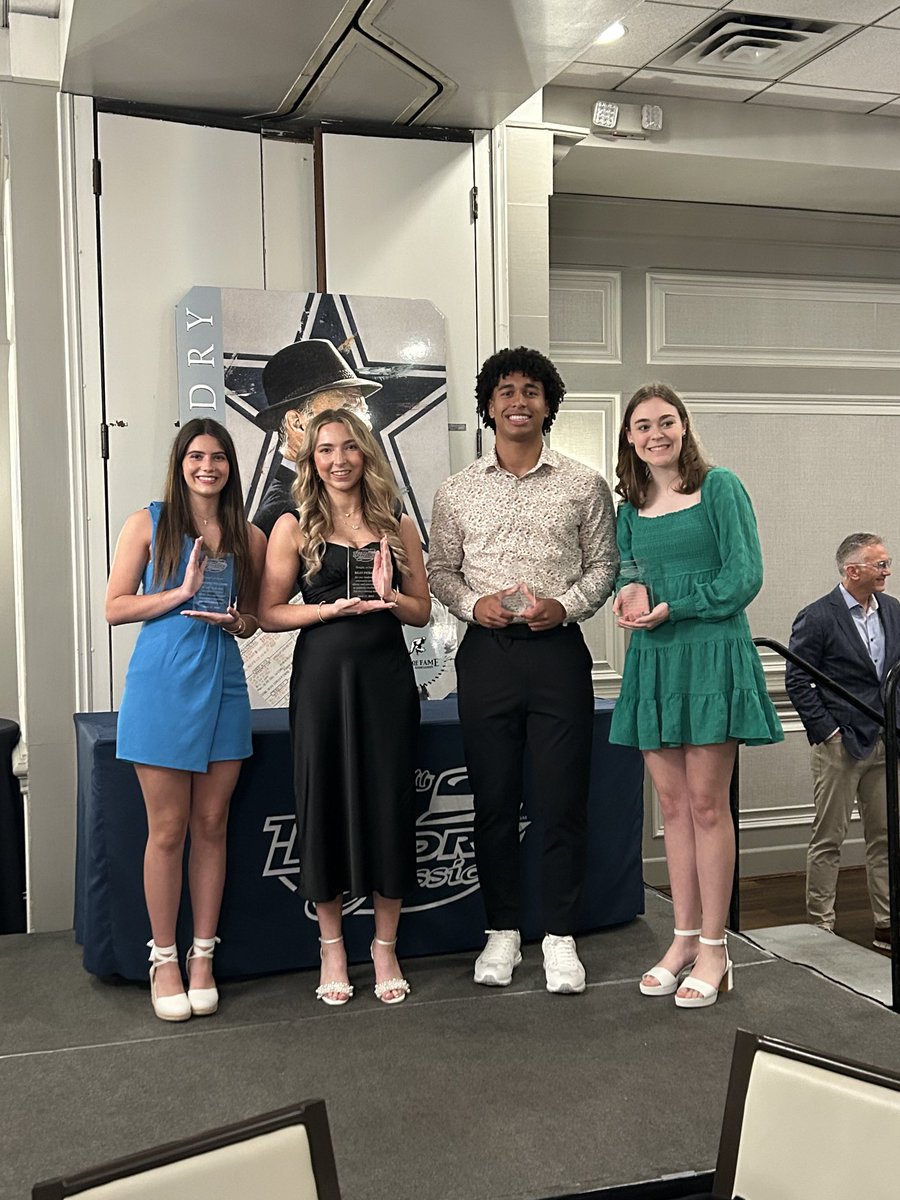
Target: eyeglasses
{"x": 883, "y": 564}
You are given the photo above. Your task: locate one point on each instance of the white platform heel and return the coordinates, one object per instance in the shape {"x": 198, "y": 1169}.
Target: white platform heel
{"x": 203, "y": 1001}
{"x": 668, "y": 983}
{"x": 167, "y": 1008}
{"x": 709, "y": 993}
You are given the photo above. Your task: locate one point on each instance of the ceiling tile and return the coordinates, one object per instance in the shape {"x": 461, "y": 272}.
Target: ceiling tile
{"x": 858, "y": 12}
{"x": 652, "y": 28}
{"x": 892, "y": 19}
{"x": 787, "y": 95}
{"x": 888, "y": 110}
{"x": 589, "y": 75}
{"x": 868, "y": 60}
{"x": 702, "y": 87}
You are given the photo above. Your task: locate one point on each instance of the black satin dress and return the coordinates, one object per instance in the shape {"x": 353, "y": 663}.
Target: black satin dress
{"x": 354, "y": 723}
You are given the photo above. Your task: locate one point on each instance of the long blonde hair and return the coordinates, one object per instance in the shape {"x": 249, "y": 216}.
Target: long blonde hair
{"x": 379, "y": 498}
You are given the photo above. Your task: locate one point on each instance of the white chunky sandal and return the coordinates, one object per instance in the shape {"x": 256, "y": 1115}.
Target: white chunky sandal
{"x": 668, "y": 983}
{"x": 709, "y": 993}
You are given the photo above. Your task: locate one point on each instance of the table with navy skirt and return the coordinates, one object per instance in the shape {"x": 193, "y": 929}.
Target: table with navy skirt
{"x": 265, "y": 926}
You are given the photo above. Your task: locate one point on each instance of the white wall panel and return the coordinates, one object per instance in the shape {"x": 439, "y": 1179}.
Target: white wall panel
{"x": 180, "y": 205}
{"x": 289, "y": 236}
{"x": 730, "y": 321}
{"x": 398, "y": 223}
{"x": 587, "y": 428}
{"x": 585, "y": 315}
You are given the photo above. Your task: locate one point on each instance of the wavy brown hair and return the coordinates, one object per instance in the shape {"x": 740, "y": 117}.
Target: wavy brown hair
{"x": 633, "y": 474}
{"x": 176, "y": 521}
{"x": 379, "y": 498}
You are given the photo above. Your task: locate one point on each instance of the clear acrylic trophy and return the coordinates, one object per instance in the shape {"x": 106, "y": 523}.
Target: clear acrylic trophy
{"x": 217, "y": 589}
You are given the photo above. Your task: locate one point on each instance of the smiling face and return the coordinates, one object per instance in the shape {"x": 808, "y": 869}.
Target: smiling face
{"x": 205, "y": 466}
{"x": 338, "y": 458}
{"x": 518, "y": 408}
{"x": 868, "y": 573}
{"x": 656, "y": 432}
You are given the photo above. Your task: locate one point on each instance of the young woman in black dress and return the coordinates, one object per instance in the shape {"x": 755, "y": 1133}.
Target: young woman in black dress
{"x": 354, "y": 704}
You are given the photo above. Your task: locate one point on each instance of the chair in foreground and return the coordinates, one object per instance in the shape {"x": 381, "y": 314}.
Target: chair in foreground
{"x": 797, "y": 1124}
{"x": 800, "y": 1123}
{"x": 281, "y": 1155}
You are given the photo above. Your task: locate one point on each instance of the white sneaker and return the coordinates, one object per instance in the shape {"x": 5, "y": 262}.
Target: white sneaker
{"x": 562, "y": 965}
{"x": 495, "y": 964}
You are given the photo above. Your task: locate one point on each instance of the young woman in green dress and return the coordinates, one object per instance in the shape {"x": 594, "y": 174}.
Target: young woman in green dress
{"x": 693, "y": 685}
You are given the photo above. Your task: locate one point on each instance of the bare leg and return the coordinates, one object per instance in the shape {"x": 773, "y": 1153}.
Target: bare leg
{"x": 210, "y": 797}
{"x": 334, "y": 956}
{"x": 167, "y": 797}
{"x": 708, "y": 775}
{"x": 668, "y": 772}
{"x": 387, "y": 918}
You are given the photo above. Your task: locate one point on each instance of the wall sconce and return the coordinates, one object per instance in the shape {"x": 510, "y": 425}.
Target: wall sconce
{"x": 609, "y": 119}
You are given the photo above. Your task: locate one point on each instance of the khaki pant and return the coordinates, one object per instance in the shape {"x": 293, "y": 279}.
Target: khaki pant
{"x": 838, "y": 781}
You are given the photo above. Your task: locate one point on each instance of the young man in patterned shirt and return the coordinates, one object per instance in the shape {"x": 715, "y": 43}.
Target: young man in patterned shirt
{"x": 522, "y": 548}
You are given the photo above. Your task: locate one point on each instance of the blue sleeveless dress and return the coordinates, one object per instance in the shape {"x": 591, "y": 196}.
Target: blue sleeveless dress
{"x": 185, "y": 702}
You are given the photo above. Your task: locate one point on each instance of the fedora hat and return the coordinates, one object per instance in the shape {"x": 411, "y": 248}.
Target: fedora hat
{"x": 300, "y": 371}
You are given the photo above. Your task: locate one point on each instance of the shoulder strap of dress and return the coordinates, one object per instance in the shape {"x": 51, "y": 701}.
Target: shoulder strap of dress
{"x": 155, "y": 508}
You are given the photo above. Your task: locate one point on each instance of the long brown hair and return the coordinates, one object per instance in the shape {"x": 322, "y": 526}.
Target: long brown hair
{"x": 379, "y": 497}
{"x": 633, "y": 474}
{"x": 176, "y": 521}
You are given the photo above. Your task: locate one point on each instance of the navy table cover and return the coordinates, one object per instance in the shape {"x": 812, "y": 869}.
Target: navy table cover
{"x": 265, "y": 926}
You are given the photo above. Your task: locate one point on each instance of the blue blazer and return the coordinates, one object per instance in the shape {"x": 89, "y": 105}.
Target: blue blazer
{"x": 825, "y": 635}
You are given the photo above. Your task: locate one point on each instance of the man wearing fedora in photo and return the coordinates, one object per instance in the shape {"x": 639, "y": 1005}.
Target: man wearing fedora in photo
{"x": 299, "y": 381}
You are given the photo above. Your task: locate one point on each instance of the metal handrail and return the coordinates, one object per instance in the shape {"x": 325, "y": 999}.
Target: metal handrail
{"x": 888, "y": 722}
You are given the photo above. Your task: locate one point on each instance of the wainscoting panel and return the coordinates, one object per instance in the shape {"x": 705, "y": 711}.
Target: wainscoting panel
{"x": 585, "y": 315}
{"x": 765, "y": 321}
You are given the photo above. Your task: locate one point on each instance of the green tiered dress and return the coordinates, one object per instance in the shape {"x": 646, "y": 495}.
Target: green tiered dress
{"x": 697, "y": 677}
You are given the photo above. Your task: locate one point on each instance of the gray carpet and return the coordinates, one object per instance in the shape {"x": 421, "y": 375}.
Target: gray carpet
{"x": 461, "y": 1093}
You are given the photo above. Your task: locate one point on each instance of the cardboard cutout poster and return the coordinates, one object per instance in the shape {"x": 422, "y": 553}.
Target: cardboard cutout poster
{"x": 390, "y": 363}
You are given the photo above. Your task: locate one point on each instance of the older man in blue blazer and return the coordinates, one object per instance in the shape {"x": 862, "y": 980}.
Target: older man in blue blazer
{"x": 853, "y": 635}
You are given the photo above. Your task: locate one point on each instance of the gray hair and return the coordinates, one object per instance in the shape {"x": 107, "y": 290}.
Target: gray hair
{"x": 336, "y": 398}
{"x": 851, "y": 546}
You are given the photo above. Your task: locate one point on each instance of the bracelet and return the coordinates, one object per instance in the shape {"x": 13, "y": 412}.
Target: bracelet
{"x": 239, "y": 630}
{"x": 319, "y": 611}
{"x": 395, "y": 598}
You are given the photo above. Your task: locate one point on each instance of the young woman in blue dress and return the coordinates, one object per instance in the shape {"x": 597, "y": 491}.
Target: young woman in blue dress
{"x": 693, "y": 685}
{"x": 354, "y": 703}
{"x": 184, "y": 720}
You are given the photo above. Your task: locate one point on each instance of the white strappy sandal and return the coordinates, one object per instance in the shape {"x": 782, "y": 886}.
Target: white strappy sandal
{"x": 389, "y": 985}
{"x": 668, "y": 983}
{"x": 337, "y": 991}
{"x": 709, "y": 993}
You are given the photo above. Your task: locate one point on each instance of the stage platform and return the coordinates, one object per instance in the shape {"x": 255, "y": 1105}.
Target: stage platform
{"x": 461, "y": 1093}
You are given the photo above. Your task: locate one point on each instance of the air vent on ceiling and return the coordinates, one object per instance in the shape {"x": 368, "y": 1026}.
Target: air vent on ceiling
{"x": 746, "y": 44}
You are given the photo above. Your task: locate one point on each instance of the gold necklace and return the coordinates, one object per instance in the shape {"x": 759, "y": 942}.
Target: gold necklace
{"x": 347, "y": 515}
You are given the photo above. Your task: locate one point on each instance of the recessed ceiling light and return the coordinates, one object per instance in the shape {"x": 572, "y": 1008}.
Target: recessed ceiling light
{"x": 610, "y": 34}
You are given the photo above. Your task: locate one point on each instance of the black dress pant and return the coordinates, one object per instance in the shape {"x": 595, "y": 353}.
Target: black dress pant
{"x": 519, "y": 688}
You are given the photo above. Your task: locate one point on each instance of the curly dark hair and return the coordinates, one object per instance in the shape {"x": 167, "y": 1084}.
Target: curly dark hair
{"x": 527, "y": 362}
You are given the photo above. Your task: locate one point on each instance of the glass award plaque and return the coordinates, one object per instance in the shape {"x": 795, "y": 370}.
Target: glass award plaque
{"x": 360, "y": 563}
{"x": 518, "y": 601}
{"x": 217, "y": 589}
{"x": 632, "y": 573}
